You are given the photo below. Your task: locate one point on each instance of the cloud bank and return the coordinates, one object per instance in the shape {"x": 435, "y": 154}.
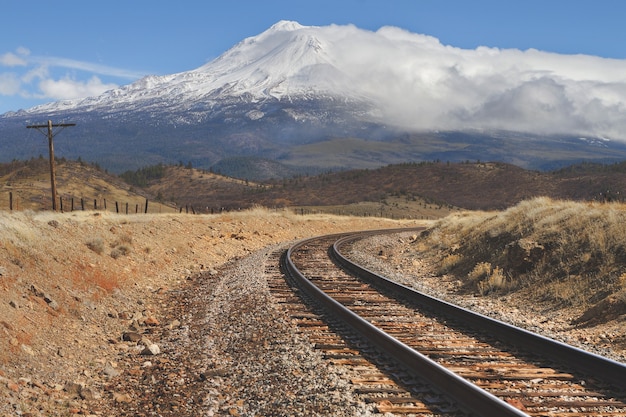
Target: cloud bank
{"x": 421, "y": 83}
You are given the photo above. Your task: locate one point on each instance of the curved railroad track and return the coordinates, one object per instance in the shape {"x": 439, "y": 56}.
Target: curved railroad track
{"x": 413, "y": 354}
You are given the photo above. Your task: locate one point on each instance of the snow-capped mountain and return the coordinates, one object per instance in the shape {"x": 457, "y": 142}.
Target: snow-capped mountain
{"x": 286, "y": 61}
{"x": 339, "y": 97}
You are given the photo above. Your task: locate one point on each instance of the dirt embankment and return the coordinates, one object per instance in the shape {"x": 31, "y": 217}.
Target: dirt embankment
{"x": 74, "y": 286}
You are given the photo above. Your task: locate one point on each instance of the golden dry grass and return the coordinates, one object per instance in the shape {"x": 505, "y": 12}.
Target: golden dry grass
{"x": 566, "y": 252}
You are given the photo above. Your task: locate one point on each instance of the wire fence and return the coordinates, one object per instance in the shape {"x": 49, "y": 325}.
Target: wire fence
{"x": 67, "y": 203}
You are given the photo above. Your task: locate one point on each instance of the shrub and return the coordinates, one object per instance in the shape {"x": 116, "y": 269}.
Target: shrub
{"x": 96, "y": 245}
{"x": 494, "y": 282}
{"x": 449, "y": 262}
{"x": 480, "y": 271}
{"x": 121, "y": 250}
{"x": 576, "y": 253}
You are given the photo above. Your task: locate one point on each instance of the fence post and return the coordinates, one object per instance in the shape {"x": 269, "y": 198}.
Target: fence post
{"x": 61, "y": 203}
{"x": 117, "y": 208}
{"x": 11, "y": 200}
{"x": 146, "y": 210}
{"x": 82, "y": 204}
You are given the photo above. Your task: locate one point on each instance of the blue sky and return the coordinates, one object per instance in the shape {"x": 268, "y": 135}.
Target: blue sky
{"x": 52, "y": 50}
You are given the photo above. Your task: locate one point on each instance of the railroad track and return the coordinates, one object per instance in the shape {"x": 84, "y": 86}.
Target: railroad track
{"x": 412, "y": 354}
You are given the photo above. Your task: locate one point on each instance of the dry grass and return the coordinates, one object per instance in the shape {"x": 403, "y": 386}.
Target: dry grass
{"x": 565, "y": 252}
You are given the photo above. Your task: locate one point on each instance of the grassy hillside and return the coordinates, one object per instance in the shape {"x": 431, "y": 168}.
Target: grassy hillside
{"x": 563, "y": 253}
{"x": 77, "y": 182}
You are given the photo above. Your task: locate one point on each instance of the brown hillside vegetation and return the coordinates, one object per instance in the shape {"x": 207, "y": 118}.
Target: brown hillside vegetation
{"x": 475, "y": 186}
{"x": 416, "y": 190}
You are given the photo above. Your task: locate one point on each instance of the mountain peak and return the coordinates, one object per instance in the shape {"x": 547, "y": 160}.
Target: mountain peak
{"x": 285, "y": 26}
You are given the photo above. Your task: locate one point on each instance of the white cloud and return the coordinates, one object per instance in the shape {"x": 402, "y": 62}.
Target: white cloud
{"x": 43, "y": 77}
{"x": 9, "y": 84}
{"x": 423, "y": 84}
{"x": 85, "y": 66}
{"x": 12, "y": 60}
{"x": 67, "y": 88}
{"x": 39, "y": 72}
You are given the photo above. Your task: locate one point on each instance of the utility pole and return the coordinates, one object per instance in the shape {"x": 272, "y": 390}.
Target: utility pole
{"x": 50, "y": 135}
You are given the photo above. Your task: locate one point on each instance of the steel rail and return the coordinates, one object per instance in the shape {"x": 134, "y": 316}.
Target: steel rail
{"x": 468, "y": 394}
{"x": 584, "y": 361}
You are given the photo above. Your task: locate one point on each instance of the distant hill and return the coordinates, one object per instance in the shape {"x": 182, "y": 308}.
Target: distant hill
{"x": 476, "y": 185}
{"x": 394, "y": 189}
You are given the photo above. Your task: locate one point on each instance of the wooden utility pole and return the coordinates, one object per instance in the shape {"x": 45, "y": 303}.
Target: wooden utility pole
{"x": 50, "y": 135}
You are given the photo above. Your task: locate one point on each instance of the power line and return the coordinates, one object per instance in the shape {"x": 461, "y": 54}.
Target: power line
{"x": 50, "y": 135}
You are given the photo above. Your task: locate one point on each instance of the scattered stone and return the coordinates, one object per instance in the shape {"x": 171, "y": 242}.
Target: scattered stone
{"x": 523, "y": 254}
{"x": 110, "y": 371}
{"x": 151, "y": 321}
{"x": 39, "y": 385}
{"x": 72, "y": 388}
{"x": 174, "y": 324}
{"x": 151, "y": 349}
{"x": 87, "y": 394}
{"x": 36, "y": 291}
{"x": 135, "y": 326}
{"x": 122, "y": 398}
{"x": 131, "y": 337}
{"x": 46, "y": 297}
{"x": 28, "y": 350}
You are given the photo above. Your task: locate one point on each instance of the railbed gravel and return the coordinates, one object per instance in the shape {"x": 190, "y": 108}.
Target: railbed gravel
{"x": 235, "y": 353}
